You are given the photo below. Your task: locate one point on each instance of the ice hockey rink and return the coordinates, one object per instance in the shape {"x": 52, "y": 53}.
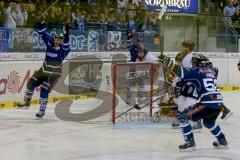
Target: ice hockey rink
{"x": 25, "y": 138}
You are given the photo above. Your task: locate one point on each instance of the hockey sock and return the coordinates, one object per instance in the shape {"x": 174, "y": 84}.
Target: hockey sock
{"x": 186, "y": 131}
{"x": 215, "y": 130}
{"x": 43, "y": 98}
{"x": 43, "y": 104}
{"x": 28, "y": 95}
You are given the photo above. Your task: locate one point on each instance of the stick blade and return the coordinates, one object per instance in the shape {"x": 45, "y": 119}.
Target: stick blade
{"x": 163, "y": 10}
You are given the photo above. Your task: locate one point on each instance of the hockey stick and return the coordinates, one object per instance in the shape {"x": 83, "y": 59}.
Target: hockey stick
{"x": 161, "y": 33}
{"x": 42, "y": 14}
{"x": 137, "y": 106}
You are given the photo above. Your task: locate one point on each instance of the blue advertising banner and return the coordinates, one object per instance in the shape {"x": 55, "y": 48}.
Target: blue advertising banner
{"x": 178, "y": 6}
{"x": 5, "y": 34}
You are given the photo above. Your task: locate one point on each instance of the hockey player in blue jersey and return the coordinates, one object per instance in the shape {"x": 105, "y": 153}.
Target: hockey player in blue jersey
{"x": 58, "y": 48}
{"x": 198, "y": 82}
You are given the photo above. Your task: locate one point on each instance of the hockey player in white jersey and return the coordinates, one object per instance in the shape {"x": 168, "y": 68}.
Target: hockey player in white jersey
{"x": 184, "y": 58}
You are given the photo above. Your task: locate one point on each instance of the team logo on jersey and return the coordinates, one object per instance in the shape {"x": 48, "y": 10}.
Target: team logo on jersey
{"x": 53, "y": 55}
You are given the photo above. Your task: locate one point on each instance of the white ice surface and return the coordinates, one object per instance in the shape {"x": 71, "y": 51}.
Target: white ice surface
{"x": 22, "y": 137}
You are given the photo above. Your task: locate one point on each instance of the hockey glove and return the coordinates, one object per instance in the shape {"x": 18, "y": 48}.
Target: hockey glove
{"x": 179, "y": 57}
{"x": 164, "y": 60}
{"x": 41, "y": 24}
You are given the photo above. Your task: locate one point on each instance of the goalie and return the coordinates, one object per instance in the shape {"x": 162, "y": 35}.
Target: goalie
{"x": 143, "y": 56}
{"x": 58, "y": 48}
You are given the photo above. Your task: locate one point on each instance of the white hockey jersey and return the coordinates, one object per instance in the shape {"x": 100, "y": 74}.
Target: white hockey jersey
{"x": 187, "y": 60}
{"x": 149, "y": 58}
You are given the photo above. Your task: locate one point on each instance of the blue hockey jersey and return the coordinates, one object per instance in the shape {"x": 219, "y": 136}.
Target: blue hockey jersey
{"x": 205, "y": 81}
{"x": 133, "y": 52}
{"x": 54, "y": 57}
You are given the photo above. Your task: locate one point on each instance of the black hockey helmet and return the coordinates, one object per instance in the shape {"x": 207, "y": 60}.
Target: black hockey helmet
{"x": 199, "y": 60}
{"x": 189, "y": 44}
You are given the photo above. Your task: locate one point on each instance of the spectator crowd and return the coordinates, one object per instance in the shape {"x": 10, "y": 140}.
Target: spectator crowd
{"x": 84, "y": 14}
{"x": 230, "y": 9}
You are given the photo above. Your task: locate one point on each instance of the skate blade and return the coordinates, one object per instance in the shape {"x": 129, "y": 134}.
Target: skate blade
{"x": 228, "y": 115}
{"x": 38, "y": 118}
{"x": 192, "y": 149}
{"x": 221, "y": 147}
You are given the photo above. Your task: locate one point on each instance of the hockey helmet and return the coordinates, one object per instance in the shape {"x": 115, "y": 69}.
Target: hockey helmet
{"x": 189, "y": 44}
{"x": 199, "y": 60}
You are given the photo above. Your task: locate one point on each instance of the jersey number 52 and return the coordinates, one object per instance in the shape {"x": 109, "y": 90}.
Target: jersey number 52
{"x": 210, "y": 84}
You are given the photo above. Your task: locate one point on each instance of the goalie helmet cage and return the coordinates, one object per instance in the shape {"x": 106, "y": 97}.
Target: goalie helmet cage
{"x": 125, "y": 76}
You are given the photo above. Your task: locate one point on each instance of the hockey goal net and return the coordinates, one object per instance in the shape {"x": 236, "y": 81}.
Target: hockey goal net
{"x": 132, "y": 85}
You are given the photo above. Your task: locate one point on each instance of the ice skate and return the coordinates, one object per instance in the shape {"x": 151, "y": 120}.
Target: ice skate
{"x": 40, "y": 114}
{"x": 189, "y": 146}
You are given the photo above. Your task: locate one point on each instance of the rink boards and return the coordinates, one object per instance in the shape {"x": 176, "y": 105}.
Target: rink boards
{"x": 15, "y": 74}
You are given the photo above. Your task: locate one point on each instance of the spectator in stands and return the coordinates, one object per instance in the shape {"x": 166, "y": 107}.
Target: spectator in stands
{"x": 79, "y": 21}
{"x": 111, "y": 23}
{"x": 122, "y": 3}
{"x": 24, "y": 13}
{"x": 31, "y": 14}
{"x": 19, "y": 15}
{"x": 134, "y": 2}
{"x": 153, "y": 17}
{"x": 121, "y": 26}
{"x": 229, "y": 11}
{"x": 131, "y": 28}
{"x": 102, "y": 18}
{"x": 51, "y": 18}
{"x": 9, "y": 16}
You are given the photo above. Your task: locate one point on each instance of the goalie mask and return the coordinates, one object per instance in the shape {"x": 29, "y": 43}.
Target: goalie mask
{"x": 199, "y": 60}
